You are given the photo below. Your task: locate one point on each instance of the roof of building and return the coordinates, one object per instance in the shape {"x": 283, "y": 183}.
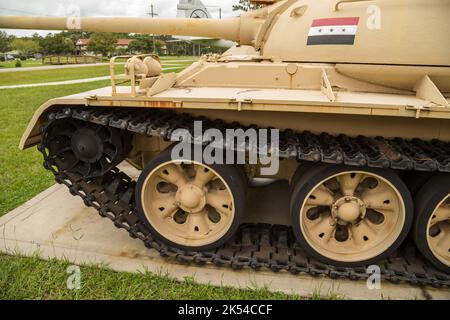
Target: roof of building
{"x": 120, "y": 42}
{"x": 124, "y": 42}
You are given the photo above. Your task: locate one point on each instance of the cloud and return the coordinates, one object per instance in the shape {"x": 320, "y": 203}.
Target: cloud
{"x": 135, "y": 8}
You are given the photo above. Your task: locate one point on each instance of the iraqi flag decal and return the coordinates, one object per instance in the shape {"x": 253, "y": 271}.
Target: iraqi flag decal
{"x": 333, "y": 31}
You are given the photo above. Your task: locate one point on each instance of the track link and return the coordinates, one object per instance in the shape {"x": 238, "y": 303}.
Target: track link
{"x": 255, "y": 245}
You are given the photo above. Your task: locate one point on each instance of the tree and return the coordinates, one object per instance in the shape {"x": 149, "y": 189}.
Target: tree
{"x": 102, "y": 43}
{"x": 245, "y": 5}
{"x": 4, "y": 42}
{"x": 74, "y": 36}
{"x": 57, "y": 44}
{"x": 25, "y": 47}
{"x": 36, "y": 37}
{"x": 144, "y": 44}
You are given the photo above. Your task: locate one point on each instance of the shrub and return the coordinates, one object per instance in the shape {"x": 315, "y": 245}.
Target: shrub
{"x": 18, "y": 64}
{"x": 23, "y": 58}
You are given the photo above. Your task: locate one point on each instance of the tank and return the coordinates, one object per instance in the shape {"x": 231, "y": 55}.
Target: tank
{"x": 354, "y": 96}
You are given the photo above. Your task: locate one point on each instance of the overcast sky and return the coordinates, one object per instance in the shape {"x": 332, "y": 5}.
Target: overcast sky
{"x": 135, "y": 8}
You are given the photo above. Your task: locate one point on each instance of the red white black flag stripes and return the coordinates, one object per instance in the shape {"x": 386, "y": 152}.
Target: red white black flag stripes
{"x": 333, "y": 31}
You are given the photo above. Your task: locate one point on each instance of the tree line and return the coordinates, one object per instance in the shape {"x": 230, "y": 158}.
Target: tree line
{"x": 64, "y": 43}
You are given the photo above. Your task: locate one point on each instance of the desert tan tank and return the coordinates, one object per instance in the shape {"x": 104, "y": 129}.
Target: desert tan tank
{"x": 359, "y": 91}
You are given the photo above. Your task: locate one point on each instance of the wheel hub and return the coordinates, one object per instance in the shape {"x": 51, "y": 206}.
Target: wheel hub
{"x": 87, "y": 145}
{"x": 348, "y": 210}
{"x": 191, "y": 198}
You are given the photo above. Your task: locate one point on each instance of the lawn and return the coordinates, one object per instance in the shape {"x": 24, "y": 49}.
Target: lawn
{"x": 38, "y": 63}
{"x": 22, "y": 177}
{"x": 179, "y": 58}
{"x": 39, "y": 76}
{"x": 26, "y": 63}
{"x": 21, "y": 173}
{"x": 31, "y": 278}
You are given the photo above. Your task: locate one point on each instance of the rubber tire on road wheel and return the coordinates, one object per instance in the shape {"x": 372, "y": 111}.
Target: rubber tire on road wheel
{"x": 229, "y": 173}
{"x": 426, "y": 200}
{"x": 302, "y": 169}
{"x": 320, "y": 172}
{"x": 416, "y": 180}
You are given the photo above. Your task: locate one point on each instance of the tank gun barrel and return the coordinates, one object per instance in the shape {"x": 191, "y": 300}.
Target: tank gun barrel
{"x": 229, "y": 29}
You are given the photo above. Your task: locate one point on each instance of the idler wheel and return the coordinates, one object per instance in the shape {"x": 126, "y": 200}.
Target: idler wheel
{"x": 87, "y": 149}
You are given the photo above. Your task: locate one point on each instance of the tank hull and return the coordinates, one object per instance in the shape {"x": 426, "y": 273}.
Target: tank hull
{"x": 357, "y": 114}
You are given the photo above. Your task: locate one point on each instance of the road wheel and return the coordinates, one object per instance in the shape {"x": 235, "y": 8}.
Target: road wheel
{"x": 416, "y": 180}
{"x": 302, "y": 169}
{"x": 190, "y": 205}
{"x": 348, "y": 217}
{"x": 431, "y": 229}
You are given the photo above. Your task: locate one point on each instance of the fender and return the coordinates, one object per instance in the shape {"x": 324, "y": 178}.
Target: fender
{"x": 32, "y": 136}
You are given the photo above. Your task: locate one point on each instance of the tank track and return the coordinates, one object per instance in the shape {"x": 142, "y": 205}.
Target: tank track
{"x": 255, "y": 245}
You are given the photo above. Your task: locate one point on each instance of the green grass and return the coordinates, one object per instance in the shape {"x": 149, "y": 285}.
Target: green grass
{"x": 21, "y": 172}
{"x": 39, "y": 76}
{"x": 179, "y": 58}
{"x": 38, "y": 63}
{"x": 31, "y": 278}
{"x": 26, "y": 63}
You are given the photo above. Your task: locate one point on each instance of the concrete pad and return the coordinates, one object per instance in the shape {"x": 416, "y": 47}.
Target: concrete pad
{"x": 56, "y": 225}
